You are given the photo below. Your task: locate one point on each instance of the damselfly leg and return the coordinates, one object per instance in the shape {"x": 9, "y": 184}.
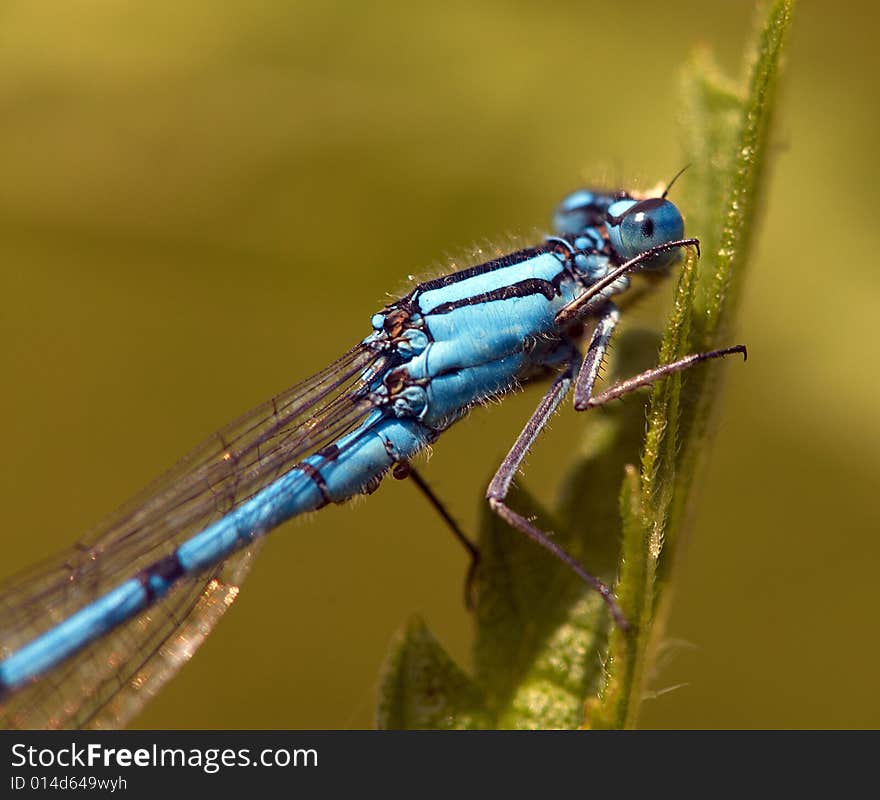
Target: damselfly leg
{"x": 584, "y": 379}
{"x": 404, "y": 470}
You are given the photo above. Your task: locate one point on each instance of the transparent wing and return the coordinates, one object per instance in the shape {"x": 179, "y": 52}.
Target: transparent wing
{"x": 107, "y": 682}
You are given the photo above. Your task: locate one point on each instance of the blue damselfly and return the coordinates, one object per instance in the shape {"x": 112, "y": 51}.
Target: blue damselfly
{"x": 87, "y": 637}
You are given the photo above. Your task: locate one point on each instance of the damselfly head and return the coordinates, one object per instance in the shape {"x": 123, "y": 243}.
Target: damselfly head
{"x": 636, "y": 226}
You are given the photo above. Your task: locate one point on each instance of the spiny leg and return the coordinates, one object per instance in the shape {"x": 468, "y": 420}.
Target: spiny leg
{"x": 596, "y": 351}
{"x": 585, "y": 380}
{"x": 649, "y": 376}
{"x": 500, "y": 486}
{"x": 404, "y": 470}
{"x": 580, "y": 305}
{"x": 583, "y": 391}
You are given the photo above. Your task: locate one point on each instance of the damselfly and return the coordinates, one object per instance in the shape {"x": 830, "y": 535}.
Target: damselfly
{"x": 87, "y": 637}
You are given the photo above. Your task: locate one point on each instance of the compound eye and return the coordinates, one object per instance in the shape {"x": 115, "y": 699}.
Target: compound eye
{"x": 636, "y": 227}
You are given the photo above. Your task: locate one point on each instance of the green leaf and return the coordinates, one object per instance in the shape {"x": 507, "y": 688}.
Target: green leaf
{"x": 422, "y": 687}
{"x": 612, "y": 706}
{"x": 544, "y": 656}
{"x": 537, "y": 628}
{"x": 540, "y": 630}
{"x": 725, "y": 136}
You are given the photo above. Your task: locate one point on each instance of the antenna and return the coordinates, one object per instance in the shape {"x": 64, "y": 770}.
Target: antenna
{"x": 677, "y": 176}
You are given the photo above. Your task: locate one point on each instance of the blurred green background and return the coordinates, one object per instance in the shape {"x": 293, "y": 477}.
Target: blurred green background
{"x": 201, "y": 203}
